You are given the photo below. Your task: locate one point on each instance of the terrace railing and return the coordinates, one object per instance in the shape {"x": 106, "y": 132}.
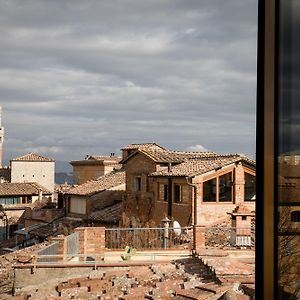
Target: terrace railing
{"x": 149, "y": 238}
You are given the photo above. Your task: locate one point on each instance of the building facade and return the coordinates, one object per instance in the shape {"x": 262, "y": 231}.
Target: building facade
{"x": 33, "y": 167}
{"x": 92, "y": 167}
{"x": 189, "y": 187}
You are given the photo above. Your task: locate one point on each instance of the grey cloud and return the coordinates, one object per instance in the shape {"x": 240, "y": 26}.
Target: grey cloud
{"x": 81, "y": 77}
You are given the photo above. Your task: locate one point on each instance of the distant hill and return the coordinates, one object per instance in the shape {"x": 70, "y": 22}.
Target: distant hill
{"x": 63, "y": 172}
{"x": 62, "y": 177}
{"x": 63, "y": 167}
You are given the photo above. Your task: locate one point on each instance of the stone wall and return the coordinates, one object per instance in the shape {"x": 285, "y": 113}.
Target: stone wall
{"x": 139, "y": 203}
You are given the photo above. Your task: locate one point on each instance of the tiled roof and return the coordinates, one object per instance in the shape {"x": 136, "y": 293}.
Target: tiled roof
{"x": 175, "y": 156}
{"x": 16, "y": 189}
{"x": 145, "y": 146}
{"x": 105, "y": 158}
{"x": 111, "y": 180}
{"x": 197, "y": 166}
{"x": 110, "y": 214}
{"x": 163, "y": 155}
{"x": 242, "y": 210}
{"x": 32, "y": 157}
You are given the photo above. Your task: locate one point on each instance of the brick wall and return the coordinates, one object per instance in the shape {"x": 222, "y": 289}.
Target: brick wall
{"x": 91, "y": 240}
{"x": 139, "y": 203}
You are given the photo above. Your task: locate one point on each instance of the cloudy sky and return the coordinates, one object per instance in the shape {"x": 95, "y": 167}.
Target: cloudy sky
{"x": 88, "y": 77}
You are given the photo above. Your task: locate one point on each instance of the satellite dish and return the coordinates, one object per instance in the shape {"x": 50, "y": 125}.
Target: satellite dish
{"x": 177, "y": 228}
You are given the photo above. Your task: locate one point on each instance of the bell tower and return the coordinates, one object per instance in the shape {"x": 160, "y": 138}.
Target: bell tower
{"x": 1, "y": 136}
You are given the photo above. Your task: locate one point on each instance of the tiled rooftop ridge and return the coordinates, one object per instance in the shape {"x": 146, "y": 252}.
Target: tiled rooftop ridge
{"x": 32, "y": 157}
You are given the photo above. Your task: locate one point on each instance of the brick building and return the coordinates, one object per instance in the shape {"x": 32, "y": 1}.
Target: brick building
{"x": 33, "y": 167}
{"x": 190, "y": 187}
{"x": 98, "y": 201}
{"x": 92, "y": 167}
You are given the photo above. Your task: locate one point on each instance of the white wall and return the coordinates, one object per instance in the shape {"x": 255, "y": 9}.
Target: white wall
{"x": 31, "y": 171}
{"x": 77, "y": 205}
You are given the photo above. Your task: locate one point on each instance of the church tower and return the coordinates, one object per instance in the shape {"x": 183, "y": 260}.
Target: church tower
{"x": 1, "y": 136}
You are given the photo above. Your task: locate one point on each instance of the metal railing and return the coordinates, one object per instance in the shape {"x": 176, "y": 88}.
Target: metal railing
{"x": 149, "y": 238}
{"x": 223, "y": 237}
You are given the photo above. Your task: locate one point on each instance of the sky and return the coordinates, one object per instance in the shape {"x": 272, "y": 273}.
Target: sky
{"x": 89, "y": 77}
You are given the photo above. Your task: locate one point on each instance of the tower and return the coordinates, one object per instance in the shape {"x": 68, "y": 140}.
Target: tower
{"x": 1, "y": 136}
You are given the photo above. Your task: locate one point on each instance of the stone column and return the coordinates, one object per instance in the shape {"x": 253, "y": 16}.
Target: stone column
{"x": 239, "y": 184}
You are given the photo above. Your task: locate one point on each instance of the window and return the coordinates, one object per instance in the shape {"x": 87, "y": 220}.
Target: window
{"x": 165, "y": 187}
{"x": 225, "y": 187}
{"x": 295, "y": 216}
{"x": 10, "y": 200}
{"x": 209, "y": 190}
{"x": 250, "y": 188}
{"x": 137, "y": 184}
{"x": 177, "y": 193}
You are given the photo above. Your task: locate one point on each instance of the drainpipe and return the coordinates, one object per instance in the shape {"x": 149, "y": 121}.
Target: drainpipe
{"x": 169, "y": 191}
{"x": 194, "y": 203}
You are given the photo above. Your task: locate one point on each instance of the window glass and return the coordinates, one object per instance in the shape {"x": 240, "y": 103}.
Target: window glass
{"x": 177, "y": 193}
{"x": 288, "y": 149}
{"x": 165, "y": 187}
{"x": 137, "y": 184}
{"x": 225, "y": 187}
{"x": 209, "y": 190}
{"x": 250, "y": 187}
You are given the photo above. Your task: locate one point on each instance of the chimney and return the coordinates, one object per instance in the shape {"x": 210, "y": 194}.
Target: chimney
{"x": 169, "y": 167}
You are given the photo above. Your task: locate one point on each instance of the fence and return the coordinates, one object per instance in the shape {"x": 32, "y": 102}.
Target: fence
{"x": 222, "y": 237}
{"x": 51, "y": 249}
{"x": 149, "y": 238}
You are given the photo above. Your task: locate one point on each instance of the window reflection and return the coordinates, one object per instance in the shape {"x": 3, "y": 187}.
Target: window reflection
{"x": 209, "y": 190}
{"x": 289, "y": 150}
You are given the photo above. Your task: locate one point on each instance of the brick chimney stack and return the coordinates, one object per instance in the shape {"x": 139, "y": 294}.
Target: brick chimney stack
{"x": 1, "y": 136}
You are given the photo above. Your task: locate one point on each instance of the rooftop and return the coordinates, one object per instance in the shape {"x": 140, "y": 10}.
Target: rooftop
{"x": 17, "y": 189}
{"x": 110, "y": 181}
{"x": 200, "y": 165}
{"x": 32, "y": 157}
{"x": 110, "y": 214}
{"x": 160, "y": 154}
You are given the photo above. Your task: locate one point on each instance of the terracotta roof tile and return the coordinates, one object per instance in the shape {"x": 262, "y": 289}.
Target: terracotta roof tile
{"x": 32, "y": 157}
{"x": 201, "y": 165}
{"x": 104, "y": 158}
{"x": 145, "y": 146}
{"x": 110, "y": 214}
{"x": 112, "y": 180}
{"x": 15, "y": 189}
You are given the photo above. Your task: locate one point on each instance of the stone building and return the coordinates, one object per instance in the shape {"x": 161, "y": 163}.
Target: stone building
{"x": 190, "y": 187}
{"x": 33, "y": 167}
{"x": 98, "y": 201}
{"x": 92, "y": 167}
{"x": 14, "y": 199}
